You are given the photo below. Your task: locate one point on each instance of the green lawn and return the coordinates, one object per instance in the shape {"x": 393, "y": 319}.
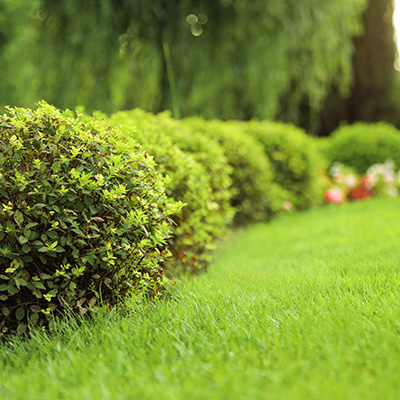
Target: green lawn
{"x": 307, "y": 307}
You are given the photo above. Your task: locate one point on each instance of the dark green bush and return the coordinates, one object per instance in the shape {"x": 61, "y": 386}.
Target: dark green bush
{"x": 197, "y": 175}
{"x": 294, "y": 158}
{"x": 361, "y": 145}
{"x": 80, "y": 223}
{"x": 254, "y": 194}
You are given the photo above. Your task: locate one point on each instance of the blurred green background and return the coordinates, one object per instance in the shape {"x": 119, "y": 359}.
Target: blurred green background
{"x": 311, "y": 62}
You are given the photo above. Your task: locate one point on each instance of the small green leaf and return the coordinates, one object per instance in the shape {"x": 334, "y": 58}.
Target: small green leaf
{"x": 15, "y": 264}
{"x": 18, "y": 217}
{"x": 21, "y": 329}
{"x": 52, "y": 234}
{"x": 22, "y": 239}
{"x": 43, "y": 260}
{"x": 33, "y": 318}
{"x": 27, "y": 259}
{"x": 63, "y": 225}
{"x": 53, "y": 246}
{"x": 35, "y": 309}
{"x": 20, "y": 313}
{"x": 39, "y": 285}
{"x": 12, "y": 290}
{"x": 20, "y": 282}
{"x": 26, "y": 249}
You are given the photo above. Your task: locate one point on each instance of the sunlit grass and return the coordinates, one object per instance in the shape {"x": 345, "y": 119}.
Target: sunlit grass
{"x": 306, "y": 307}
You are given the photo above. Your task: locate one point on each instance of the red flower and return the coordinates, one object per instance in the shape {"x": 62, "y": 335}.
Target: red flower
{"x": 362, "y": 191}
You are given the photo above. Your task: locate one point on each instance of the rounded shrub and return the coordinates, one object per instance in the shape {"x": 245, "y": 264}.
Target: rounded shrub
{"x": 80, "y": 223}
{"x": 360, "y": 145}
{"x": 295, "y": 160}
{"x": 196, "y": 176}
{"x": 187, "y": 180}
{"x": 211, "y": 155}
{"x": 254, "y": 194}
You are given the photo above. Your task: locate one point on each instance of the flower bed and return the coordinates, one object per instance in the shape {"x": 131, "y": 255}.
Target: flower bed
{"x": 344, "y": 184}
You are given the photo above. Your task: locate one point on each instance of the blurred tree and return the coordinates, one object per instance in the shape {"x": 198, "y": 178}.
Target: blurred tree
{"x": 16, "y": 34}
{"x": 218, "y": 58}
{"x": 374, "y": 88}
{"x": 250, "y": 55}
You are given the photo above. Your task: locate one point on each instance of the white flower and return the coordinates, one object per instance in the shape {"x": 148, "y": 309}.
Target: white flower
{"x": 350, "y": 180}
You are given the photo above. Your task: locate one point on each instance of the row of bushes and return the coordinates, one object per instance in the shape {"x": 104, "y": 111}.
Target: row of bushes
{"x": 224, "y": 172}
{"x": 95, "y": 207}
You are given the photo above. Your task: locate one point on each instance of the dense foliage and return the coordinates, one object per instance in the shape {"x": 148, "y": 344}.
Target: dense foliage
{"x": 294, "y": 158}
{"x": 91, "y": 207}
{"x": 204, "y": 216}
{"x": 80, "y": 224}
{"x": 208, "y": 153}
{"x": 255, "y": 196}
{"x": 216, "y": 58}
{"x": 361, "y": 145}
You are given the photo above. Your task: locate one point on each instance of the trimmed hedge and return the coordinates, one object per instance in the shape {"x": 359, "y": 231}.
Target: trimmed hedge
{"x": 255, "y": 196}
{"x": 80, "y": 223}
{"x": 86, "y": 209}
{"x": 360, "y": 145}
{"x": 197, "y": 174}
{"x": 295, "y": 160}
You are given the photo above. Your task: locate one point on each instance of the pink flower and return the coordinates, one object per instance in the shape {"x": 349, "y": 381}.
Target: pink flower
{"x": 334, "y": 195}
{"x": 368, "y": 181}
{"x": 287, "y": 205}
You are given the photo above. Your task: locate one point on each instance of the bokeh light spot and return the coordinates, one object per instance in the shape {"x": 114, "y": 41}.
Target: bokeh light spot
{"x": 196, "y": 30}
{"x": 192, "y": 19}
{"x": 202, "y": 19}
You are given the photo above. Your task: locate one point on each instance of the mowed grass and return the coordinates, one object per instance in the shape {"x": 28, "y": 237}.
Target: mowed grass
{"x": 307, "y": 307}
